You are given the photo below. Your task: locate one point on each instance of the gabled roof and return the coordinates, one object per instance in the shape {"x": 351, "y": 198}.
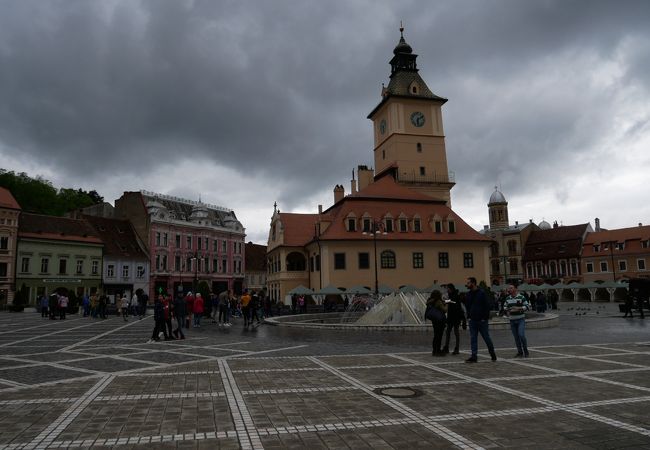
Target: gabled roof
{"x": 7, "y": 200}
{"x": 118, "y": 236}
{"x": 255, "y": 257}
{"x": 562, "y": 233}
{"x": 618, "y": 235}
{"x": 298, "y": 229}
{"x": 56, "y": 228}
{"x": 561, "y": 242}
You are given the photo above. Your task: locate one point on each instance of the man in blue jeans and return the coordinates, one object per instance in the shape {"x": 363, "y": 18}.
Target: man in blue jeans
{"x": 478, "y": 312}
{"x": 515, "y": 307}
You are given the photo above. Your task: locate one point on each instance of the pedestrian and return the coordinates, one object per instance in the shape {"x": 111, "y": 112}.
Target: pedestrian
{"x": 515, "y": 308}
{"x": 478, "y": 312}
{"x": 436, "y": 313}
{"x": 134, "y": 304}
{"x": 455, "y": 316}
{"x": 53, "y": 303}
{"x": 144, "y": 299}
{"x": 189, "y": 307}
{"x": 85, "y": 305}
{"x": 198, "y": 310}
{"x": 63, "y": 306}
{"x": 179, "y": 314}
{"x": 294, "y": 303}
{"x": 254, "y": 307}
{"x": 102, "y": 306}
{"x": 43, "y": 301}
{"x": 224, "y": 306}
{"x": 159, "y": 320}
{"x": 629, "y": 305}
{"x": 214, "y": 302}
{"x": 167, "y": 313}
{"x": 245, "y": 307}
{"x": 124, "y": 307}
{"x": 302, "y": 304}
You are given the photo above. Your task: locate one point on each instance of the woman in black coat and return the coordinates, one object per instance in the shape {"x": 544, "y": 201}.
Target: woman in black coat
{"x": 455, "y": 316}
{"x": 435, "y": 302}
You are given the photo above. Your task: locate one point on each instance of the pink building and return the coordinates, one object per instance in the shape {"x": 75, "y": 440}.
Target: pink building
{"x": 188, "y": 241}
{"x": 9, "y": 212}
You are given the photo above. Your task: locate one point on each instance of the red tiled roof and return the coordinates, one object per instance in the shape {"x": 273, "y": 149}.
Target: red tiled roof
{"x": 298, "y": 228}
{"x": 558, "y": 234}
{"x": 630, "y": 237}
{"x": 561, "y": 242}
{"x": 386, "y": 188}
{"x": 7, "y": 200}
{"x": 118, "y": 236}
{"x": 255, "y": 256}
{"x": 57, "y": 228}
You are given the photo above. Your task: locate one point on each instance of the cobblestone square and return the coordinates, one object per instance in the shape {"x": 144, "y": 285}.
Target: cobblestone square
{"x": 84, "y": 383}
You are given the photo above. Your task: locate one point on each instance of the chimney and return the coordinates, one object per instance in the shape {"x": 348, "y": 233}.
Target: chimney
{"x": 353, "y": 183}
{"x": 516, "y": 222}
{"x": 555, "y": 225}
{"x": 320, "y": 209}
{"x": 339, "y": 193}
{"x": 365, "y": 175}
{"x": 640, "y": 224}
{"x": 597, "y": 224}
{"x": 486, "y": 227}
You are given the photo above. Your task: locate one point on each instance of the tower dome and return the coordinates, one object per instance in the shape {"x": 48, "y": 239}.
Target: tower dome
{"x": 496, "y": 197}
{"x": 544, "y": 225}
{"x": 402, "y": 46}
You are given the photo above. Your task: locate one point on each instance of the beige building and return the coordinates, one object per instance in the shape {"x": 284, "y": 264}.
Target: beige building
{"x": 9, "y": 212}
{"x": 396, "y": 227}
{"x": 507, "y": 249}
{"x": 614, "y": 255}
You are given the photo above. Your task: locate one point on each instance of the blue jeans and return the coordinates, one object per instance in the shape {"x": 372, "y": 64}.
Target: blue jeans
{"x": 476, "y": 327}
{"x": 518, "y": 327}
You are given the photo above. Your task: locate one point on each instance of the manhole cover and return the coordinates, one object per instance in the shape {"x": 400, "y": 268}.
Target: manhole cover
{"x": 398, "y": 392}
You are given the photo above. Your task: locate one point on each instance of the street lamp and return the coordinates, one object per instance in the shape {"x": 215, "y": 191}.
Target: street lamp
{"x": 376, "y": 227}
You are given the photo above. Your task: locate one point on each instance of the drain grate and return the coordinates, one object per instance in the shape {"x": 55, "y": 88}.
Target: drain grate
{"x": 398, "y": 392}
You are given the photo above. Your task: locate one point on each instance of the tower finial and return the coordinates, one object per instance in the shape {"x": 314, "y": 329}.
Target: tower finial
{"x": 401, "y": 29}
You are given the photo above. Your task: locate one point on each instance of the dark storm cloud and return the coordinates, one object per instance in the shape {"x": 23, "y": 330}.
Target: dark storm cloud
{"x": 280, "y": 90}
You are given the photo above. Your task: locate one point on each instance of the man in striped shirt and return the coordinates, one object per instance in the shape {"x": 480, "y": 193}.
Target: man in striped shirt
{"x": 515, "y": 307}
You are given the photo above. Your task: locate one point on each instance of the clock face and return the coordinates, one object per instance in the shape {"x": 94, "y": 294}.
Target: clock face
{"x": 382, "y": 126}
{"x": 417, "y": 119}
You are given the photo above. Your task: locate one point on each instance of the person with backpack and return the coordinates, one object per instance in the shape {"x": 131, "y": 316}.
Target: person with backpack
{"x": 436, "y": 313}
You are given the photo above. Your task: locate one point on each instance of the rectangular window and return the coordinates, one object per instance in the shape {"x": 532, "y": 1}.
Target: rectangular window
{"x": 603, "y": 266}
{"x": 364, "y": 260}
{"x": 224, "y": 265}
{"x": 443, "y": 260}
{"x": 24, "y": 265}
{"x": 80, "y": 266}
{"x": 3, "y": 269}
{"x": 164, "y": 262}
{"x": 352, "y": 224}
{"x": 4, "y": 242}
{"x": 45, "y": 262}
{"x": 207, "y": 242}
{"x": 63, "y": 265}
{"x": 438, "y": 226}
{"x": 417, "y": 226}
{"x": 224, "y": 246}
{"x": 140, "y": 272}
{"x": 94, "y": 268}
{"x": 403, "y": 225}
{"x": 590, "y": 267}
{"x": 452, "y": 226}
{"x": 366, "y": 225}
{"x": 215, "y": 265}
{"x": 640, "y": 263}
{"x": 389, "y": 225}
{"x": 206, "y": 264}
{"x": 157, "y": 238}
{"x": 125, "y": 271}
{"x": 198, "y": 243}
{"x": 645, "y": 244}
{"x": 468, "y": 260}
{"x": 177, "y": 263}
{"x": 418, "y": 260}
{"x": 622, "y": 265}
{"x": 339, "y": 261}
{"x": 620, "y": 245}
{"x": 164, "y": 239}
{"x": 422, "y": 171}
{"x": 188, "y": 242}
{"x": 317, "y": 263}
{"x": 110, "y": 271}
{"x": 215, "y": 246}
{"x": 178, "y": 241}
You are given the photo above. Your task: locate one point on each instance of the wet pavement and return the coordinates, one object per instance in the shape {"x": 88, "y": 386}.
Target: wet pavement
{"x": 84, "y": 383}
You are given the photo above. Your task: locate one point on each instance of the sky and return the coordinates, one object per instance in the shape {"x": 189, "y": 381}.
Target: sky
{"x": 248, "y": 103}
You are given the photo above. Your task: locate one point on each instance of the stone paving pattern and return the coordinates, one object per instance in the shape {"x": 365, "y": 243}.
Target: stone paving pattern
{"x": 84, "y": 383}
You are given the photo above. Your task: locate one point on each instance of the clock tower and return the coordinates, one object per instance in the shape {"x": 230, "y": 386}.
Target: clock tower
{"x": 407, "y": 124}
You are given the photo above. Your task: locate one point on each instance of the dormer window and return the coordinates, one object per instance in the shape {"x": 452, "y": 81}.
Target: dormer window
{"x": 596, "y": 247}
{"x": 366, "y": 225}
{"x": 437, "y": 226}
{"x": 620, "y": 246}
{"x": 403, "y": 225}
{"x": 352, "y": 224}
{"x": 417, "y": 226}
{"x": 451, "y": 225}
{"x": 389, "y": 225}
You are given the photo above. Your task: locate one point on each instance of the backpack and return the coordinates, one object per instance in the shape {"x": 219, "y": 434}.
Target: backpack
{"x": 434, "y": 314}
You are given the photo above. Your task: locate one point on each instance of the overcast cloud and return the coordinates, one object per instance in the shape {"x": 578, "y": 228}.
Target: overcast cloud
{"x": 248, "y": 103}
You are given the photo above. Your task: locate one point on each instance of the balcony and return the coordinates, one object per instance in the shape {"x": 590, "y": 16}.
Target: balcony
{"x": 435, "y": 178}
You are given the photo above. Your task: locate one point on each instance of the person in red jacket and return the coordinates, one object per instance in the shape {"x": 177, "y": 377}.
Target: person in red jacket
{"x": 198, "y": 310}
{"x": 189, "y": 308}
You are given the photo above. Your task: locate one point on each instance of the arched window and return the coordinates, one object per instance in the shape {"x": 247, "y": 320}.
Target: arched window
{"x": 388, "y": 259}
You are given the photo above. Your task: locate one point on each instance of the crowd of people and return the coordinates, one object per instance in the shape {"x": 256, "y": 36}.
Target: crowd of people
{"x": 450, "y": 310}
